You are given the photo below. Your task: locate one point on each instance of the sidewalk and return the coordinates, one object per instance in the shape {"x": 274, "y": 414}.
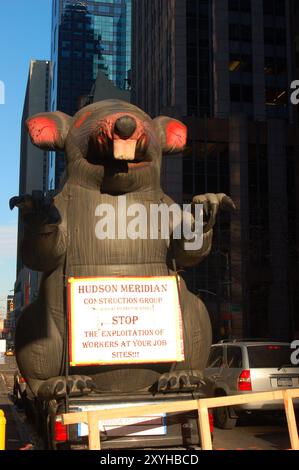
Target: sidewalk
{"x": 15, "y": 434}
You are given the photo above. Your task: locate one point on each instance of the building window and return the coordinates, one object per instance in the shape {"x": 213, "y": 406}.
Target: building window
{"x": 247, "y": 93}
{"x": 65, "y": 54}
{"x": 241, "y": 93}
{"x": 235, "y": 93}
{"x": 275, "y": 36}
{"x": 274, "y": 7}
{"x": 199, "y": 28}
{"x": 240, "y": 63}
{"x": 240, "y": 32}
{"x": 275, "y": 66}
{"x": 240, "y": 5}
{"x": 276, "y": 97}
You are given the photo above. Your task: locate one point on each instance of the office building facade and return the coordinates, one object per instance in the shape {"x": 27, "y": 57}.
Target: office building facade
{"x": 87, "y": 38}
{"x": 33, "y": 175}
{"x": 225, "y": 68}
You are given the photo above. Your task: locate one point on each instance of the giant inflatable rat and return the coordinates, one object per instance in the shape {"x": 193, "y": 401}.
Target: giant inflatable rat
{"x": 112, "y": 148}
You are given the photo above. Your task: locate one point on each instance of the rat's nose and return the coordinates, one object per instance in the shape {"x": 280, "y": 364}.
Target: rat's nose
{"x": 125, "y": 127}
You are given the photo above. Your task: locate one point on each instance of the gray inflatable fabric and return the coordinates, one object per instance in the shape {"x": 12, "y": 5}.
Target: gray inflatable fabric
{"x": 59, "y": 239}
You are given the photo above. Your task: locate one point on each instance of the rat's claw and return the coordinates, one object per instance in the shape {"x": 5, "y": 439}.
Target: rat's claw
{"x": 22, "y": 202}
{"x": 211, "y": 204}
{"x": 227, "y": 203}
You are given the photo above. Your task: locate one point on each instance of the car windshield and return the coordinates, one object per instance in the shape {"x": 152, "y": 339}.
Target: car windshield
{"x": 269, "y": 356}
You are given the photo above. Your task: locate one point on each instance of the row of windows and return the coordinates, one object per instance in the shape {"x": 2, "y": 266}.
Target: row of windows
{"x": 275, "y": 36}
{"x": 242, "y": 32}
{"x": 199, "y": 30}
{"x": 258, "y": 184}
{"x": 274, "y": 7}
{"x": 241, "y": 93}
{"x": 84, "y": 15}
{"x": 240, "y": 63}
{"x": 276, "y": 66}
{"x": 240, "y": 5}
{"x": 86, "y": 36}
{"x": 197, "y": 24}
{"x": 274, "y": 96}
{"x": 104, "y": 50}
{"x": 270, "y": 7}
{"x": 205, "y": 168}
{"x": 113, "y": 33}
{"x": 200, "y": 8}
{"x": 243, "y": 63}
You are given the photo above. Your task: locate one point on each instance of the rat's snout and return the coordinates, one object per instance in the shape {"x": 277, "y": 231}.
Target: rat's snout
{"x": 127, "y": 133}
{"x": 125, "y": 127}
{"x": 125, "y": 137}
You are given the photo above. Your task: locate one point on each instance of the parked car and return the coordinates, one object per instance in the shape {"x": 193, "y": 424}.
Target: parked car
{"x": 241, "y": 366}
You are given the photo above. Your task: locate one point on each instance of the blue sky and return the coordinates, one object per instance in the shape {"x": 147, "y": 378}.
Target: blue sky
{"x": 25, "y": 33}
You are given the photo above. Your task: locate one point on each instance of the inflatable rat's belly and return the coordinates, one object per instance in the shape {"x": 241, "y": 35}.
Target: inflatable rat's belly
{"x": 100, "y": 248}
{"x": 90, "y": 254}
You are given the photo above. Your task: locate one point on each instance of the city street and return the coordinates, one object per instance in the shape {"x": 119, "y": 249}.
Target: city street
{"x": 254, "y": 433}
{"x": 17, "y": 436}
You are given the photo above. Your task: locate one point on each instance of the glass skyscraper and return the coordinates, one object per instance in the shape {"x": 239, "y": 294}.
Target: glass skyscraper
{"x": 87, "y": 37}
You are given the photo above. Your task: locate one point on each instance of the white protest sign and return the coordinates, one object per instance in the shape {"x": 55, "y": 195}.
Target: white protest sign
{"x": 124, "y": 320}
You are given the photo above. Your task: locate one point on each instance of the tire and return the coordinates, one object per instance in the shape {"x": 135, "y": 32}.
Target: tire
{"x": 223, "y": 419}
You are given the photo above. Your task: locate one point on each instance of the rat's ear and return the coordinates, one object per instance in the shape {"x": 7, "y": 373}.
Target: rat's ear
{"x": 48, "y": 131}
{"x": 172, "y": 134}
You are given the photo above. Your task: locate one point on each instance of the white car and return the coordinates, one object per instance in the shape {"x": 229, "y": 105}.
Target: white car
{"x": 240, "y": 366}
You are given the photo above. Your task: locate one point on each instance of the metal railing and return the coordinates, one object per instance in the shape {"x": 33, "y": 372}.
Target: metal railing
{"x": 92, "y": 418}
